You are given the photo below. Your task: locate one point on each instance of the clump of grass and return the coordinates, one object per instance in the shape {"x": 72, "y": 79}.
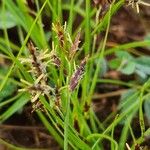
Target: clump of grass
{"x": 40, "y": 61}
{"x": 59, "y": 81}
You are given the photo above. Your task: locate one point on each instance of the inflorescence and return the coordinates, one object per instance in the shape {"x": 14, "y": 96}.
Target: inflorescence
{"x": 40, "y": 60}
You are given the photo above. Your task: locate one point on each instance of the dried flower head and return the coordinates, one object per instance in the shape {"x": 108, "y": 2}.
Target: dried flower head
{"x": 38, "y": 70}
{"x": 39, "y": 67}
{"x": 103, "y": 6}
{"x": 61, "y": 33}
{"x": 136, "y": 3}
{"x": 102, "y": 2}
{"x": 75, "y": 45}
{"x": 55, "y": 59}
{"x": 77, "y": 75}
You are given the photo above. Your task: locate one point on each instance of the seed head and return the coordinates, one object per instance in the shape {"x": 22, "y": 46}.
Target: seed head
{"x": 77, "y": 75}
{"x": 75, "y": 45}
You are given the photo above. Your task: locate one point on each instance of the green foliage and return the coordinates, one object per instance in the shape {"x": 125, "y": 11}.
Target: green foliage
{"x": 65, "y": 68}
{"x": 147, "y": 110}
{"x": 7, "y": 20}
{"x": 16, "y": 106}
{"x": 9, "y": 88}
{"x": 143, "y": 66}
{"x": 127, "y": 64}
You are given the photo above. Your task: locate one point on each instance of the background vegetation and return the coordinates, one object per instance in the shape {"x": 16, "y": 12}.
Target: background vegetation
{"x": 85, "y": 86}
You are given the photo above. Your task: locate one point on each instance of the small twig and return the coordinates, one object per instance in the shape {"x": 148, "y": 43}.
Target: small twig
{"x": 136, "y": 3}
{"x": 110, "y": 94}
{"x": 10, "y": 127}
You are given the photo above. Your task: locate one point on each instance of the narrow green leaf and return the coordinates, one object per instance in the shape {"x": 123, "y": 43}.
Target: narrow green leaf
{"x": 20, "y": 102}
{"x": 147, "y": 109}
{"x": 50, "y": 128}
{"x": 9, "y": 21}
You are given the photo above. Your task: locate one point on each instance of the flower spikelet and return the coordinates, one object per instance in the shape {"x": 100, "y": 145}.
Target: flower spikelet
{"x": 38, "y": 69}
{"x": 75, "y": 45}
{"x": 77, "y": 75}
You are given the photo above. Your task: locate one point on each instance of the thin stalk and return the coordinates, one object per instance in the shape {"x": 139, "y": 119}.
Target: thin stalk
{"x": 4, "y": 26}
{"x": 71, "y": 13}
{"x": 66, "y": 121}
{"x": 101, "y": 54}
{"x": 87, "y": 28}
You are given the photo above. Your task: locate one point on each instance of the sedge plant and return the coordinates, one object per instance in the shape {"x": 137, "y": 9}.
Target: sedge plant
{"x": 55, "y": 72}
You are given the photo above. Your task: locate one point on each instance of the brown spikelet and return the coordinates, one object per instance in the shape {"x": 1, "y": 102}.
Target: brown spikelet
{"x": 33, "y": 53}
{"x": 60, "y": 33}
{"x": 102, "y": 2}
{"x": 56, "y": 61}
{"x": 38, "y": 69}
{"x": 75, "y": 45}
{"x": 37, "y": 105}
{"x": 58, "y": 97}
{"x": 38, "y": 66}
{"x": 104, "y": 5}
{"x": 77, "y": 74}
